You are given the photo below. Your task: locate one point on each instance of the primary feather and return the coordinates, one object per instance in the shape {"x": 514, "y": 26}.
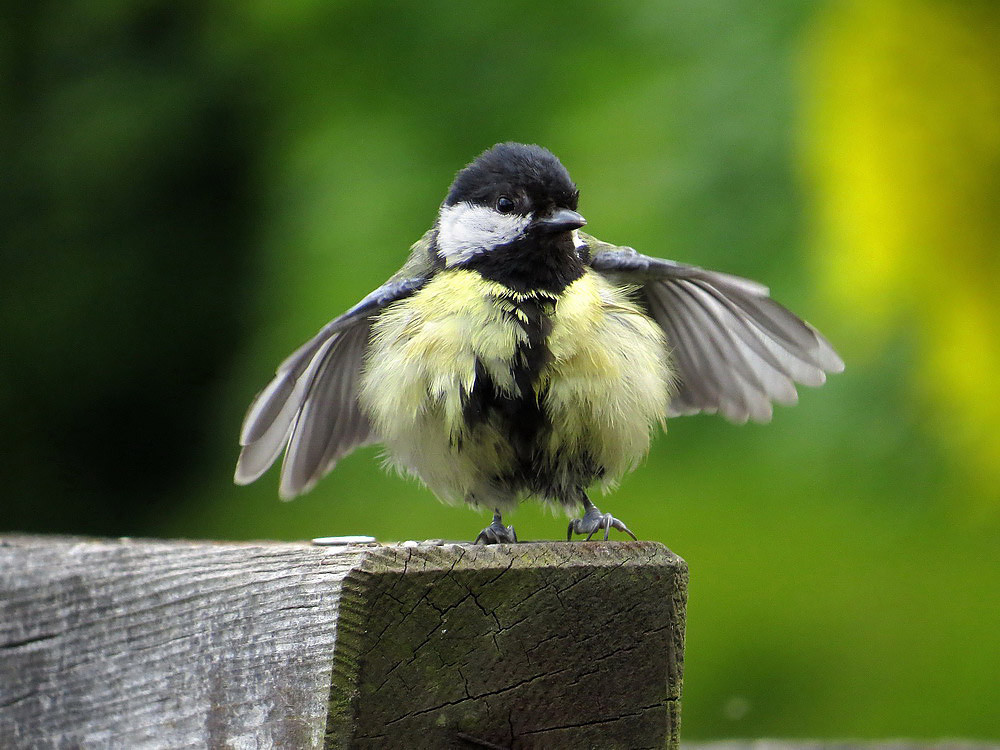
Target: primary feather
{"x": 735, "y": 349}
{"x": 310, "y": 408}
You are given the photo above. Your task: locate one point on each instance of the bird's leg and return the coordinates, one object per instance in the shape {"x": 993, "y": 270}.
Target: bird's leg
{"x": 593, "y": 521}
{"x": 496, "y": 532}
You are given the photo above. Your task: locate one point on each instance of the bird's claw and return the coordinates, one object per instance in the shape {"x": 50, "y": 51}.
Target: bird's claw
{"x": 593, "y": 521}
{"x": 497, "y": 533}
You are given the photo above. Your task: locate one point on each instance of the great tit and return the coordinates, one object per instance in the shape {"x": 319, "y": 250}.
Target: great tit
{"x": 515, "y": 356}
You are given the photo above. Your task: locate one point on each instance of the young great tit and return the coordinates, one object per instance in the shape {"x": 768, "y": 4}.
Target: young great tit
{"x": 515, "y": 356}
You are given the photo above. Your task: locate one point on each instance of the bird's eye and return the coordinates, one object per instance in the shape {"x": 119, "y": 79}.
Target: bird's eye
{"x": 504, "y": 204}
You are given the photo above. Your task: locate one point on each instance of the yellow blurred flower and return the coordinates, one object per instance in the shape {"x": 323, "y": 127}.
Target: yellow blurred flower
{"x": 902, "y": 140}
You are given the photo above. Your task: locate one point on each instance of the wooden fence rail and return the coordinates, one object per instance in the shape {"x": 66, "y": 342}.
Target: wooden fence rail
{"x": 149, "y": 644}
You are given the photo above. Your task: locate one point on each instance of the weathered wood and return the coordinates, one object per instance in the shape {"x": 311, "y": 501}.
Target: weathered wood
{"x": 182, "y": 644}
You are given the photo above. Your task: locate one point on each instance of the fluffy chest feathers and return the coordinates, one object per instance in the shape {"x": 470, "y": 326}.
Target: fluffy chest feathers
{"x": 514, "y": 392}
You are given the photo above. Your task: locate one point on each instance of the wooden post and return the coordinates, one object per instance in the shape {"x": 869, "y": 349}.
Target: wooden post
{"x": 137, "y": 643}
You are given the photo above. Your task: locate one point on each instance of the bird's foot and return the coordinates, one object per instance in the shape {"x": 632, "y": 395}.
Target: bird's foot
{"x": 496, "y": 532}
{"x": 593, "y": 521}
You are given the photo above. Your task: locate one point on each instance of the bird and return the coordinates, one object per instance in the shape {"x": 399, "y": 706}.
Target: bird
{"x": 514, "y": 356}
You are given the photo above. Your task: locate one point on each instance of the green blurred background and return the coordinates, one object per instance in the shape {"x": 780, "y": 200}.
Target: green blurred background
{"x": 190, "y": 189}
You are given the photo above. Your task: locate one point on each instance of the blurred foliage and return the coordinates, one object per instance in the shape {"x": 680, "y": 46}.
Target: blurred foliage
{"x": 191, "y": 189}
{"x": 905, "y": 147}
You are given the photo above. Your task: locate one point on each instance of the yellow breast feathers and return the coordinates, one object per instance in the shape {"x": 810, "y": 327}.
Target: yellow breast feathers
{"x": 604, "y": 385}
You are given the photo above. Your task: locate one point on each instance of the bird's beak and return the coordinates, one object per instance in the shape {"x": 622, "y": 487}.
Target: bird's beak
{"x": 561, "y": 220}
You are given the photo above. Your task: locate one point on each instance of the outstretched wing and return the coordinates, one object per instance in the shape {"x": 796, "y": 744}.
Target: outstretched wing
{"x": 310, "y": 408}
{"x": 735, "y": 349}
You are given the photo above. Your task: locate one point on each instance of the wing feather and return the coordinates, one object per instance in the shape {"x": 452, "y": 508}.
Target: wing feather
{"x": 310, "y": 407}
{"x": 736, "y": 350}
{"x": 330, "y": 423}
{"x": 261, "y": 451}
{"x": 729, "y": 355}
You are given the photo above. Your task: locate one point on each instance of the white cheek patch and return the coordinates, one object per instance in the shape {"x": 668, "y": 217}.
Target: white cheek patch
{"x": 465, "y": 230}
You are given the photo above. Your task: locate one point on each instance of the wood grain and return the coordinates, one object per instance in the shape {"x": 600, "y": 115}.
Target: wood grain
{"x": 199, "y": 644}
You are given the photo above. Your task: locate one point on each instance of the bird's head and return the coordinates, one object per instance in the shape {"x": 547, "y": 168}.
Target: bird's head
{"x": 513, "y": 197}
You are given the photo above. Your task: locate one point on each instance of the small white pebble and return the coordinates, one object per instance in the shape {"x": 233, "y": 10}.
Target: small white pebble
{"x": 335, "y": 541}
